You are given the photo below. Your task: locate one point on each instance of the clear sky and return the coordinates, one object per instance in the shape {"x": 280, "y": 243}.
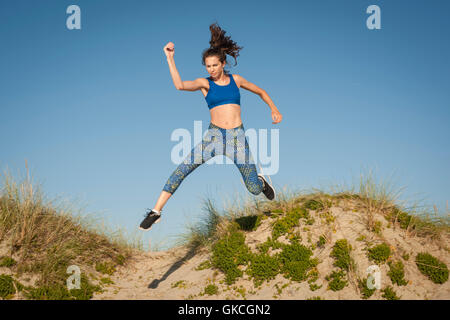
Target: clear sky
{"x": 93, "y": 110}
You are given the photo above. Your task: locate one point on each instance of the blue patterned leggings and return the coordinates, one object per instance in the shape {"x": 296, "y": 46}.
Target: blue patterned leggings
{"x": 231, "y": 143}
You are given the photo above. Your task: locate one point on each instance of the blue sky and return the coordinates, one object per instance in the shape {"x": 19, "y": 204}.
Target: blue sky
{"x": 92, "y": 110}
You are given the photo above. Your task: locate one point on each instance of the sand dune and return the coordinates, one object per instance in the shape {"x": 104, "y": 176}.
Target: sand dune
{"x": 172, "y": 274}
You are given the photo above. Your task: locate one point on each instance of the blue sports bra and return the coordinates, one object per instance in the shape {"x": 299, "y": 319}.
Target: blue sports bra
{"x": 220, "y": 95}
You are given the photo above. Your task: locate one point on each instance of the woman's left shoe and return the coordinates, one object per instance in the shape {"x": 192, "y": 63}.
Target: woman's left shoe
{"x": 151, "y": 217}
{"x": 268, "y": 190}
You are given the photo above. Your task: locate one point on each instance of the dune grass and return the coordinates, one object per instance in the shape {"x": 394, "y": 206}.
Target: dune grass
{"x": 46, "y": 238}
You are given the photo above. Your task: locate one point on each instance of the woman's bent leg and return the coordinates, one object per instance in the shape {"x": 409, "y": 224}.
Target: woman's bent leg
{"x": 239, "y": 151}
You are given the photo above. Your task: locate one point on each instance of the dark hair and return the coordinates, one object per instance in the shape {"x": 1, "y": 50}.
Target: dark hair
{"x": 220, "y": 46}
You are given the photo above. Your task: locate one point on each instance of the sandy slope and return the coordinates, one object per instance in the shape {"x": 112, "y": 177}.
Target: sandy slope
{"x": 153, "y": 275}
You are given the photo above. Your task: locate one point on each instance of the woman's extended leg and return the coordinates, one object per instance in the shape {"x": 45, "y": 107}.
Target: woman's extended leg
{"x": 210, "y": 146}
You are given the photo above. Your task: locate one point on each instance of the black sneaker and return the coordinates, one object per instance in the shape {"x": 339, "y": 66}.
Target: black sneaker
{"x": 151, "y": 217}
{"x": 268, "y": 190}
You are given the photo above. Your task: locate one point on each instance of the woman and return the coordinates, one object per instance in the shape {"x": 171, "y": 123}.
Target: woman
{"x": 225, "y": 135}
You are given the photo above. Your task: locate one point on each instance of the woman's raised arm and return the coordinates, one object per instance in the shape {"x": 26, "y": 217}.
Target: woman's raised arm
{"x": 197, "y": 84}
{"x": 170, "y": 51}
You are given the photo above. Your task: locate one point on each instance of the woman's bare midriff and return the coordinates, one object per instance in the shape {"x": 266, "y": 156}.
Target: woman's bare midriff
{"x": 227, "y": 116}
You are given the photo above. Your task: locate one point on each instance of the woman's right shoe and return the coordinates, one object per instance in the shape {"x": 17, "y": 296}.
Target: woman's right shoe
{"x": 151, "y": 217}
{"x": 268, "y": 190}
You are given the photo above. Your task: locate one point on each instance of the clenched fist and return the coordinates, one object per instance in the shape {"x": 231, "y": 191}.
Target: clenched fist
{"x": 169, "y": 49}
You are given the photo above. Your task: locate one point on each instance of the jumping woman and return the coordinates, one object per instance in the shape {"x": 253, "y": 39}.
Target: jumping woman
{"x": 225, "y": 135}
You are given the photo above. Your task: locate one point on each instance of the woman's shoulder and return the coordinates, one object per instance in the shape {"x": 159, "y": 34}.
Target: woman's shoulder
{"x": 237, "y": 79}
{"x": 203, "y": 81}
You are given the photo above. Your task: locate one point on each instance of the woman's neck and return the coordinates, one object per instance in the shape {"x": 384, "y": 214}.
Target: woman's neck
{"x": 222, "y": 78}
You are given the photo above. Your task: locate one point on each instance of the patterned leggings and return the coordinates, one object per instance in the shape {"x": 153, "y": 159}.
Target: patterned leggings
{"x": 231, "y": 143}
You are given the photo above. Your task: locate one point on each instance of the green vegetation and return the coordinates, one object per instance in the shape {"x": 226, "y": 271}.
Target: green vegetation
{"x": 7, "y": 289}
{"x": 389, "y": 294}
{"x": 249, "y": 223}
{"x": 432, "y": 267}
{"x": 314, "y": 286}
{"x": 7, "y": 262}
{"x": 321, "y": 241}
{"x": 361, "y": 238}
{"x": 397, "y": 273}
{"x": 179, "y": 284}
{"x": 105, "y": 268}
{"x": 336, "y": 280}
{"x": 280, "y": 289}
{"x": 230, "y": 252}
{"x": 296, "y": 261}
{"x": 379, "y": 253}
{"x": 313, "y": 205}
{"x": 204, "y": 265}
{"x": 263, "y": 267}
{"x": 403, "y": 218}
{"x": 377, "y": 227}
{"x": 106, "y": 280}
{"x": 211, "y": 289}
{"x": 365, "y": 291}
{"x": 270, "y": 243}
{"x": 327, "y": 217}
{"x": 341, "y": 254}
{"x": 290, "y": 220}
{"x": 204, "y": 232}
{"x": 276, "y": 211}
{"x": 60, "y": 292}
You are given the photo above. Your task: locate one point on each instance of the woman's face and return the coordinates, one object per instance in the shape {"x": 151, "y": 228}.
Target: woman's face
{"x": 214, "y": 66}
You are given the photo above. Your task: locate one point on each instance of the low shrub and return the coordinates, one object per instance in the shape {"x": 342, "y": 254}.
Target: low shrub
{"x": 230, "y": 252}
{"x": 249, "y": 223}
{"x": 432, "y": 267}
{"x": 211, "y": 289}
{"x": 379, "y": 253}
{"x": 283, "y": 225}
{"x": 364, "y": 289}
{"x": 336, "y": 280}
{"x": 389, "y": 294}
{"x": 397, "y": 273}
{"x": 341, "y": 254}
{"x": 296, "y": 261}
{"x": 263, "y": 267}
